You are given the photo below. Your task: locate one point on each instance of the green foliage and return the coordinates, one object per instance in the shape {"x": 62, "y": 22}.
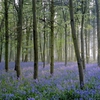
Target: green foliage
{"x": 69, "y": 95}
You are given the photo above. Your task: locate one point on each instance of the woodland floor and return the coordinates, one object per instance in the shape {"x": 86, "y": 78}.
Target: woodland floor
{"x": 63, "y": 85}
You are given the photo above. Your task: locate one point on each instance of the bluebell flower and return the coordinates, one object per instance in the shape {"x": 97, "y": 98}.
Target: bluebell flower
{"x": 31, "y": 99}
{"x": 33, "y": 90}
{"x": 80, "y": 98}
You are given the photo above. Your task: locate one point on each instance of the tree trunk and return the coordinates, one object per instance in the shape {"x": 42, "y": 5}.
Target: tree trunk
{"x": 11, "y": 51}
{"x": 98, "y": 29}
{"x": 1, "y": 38}
{"x": 6, "y": 35}
{"x": 19, "y": 38}
{"x": 22, "y": 53}
{"x": 40, "y": 47}
{"x": 80, "y": 68}
{"x": 27, "y": 38}
{"x": 52, "y": 39}
{"x": 1, "y": 44}
{"x": 65, "y": 29}
{"x": 44, "y": 40}
{"x": 82, "y": 39}
{"x": 35, "y": 40}
{"x": 65, "y": 44}
{"x": 48, "y": 53}
{"x": 86, "y": 46}
{"x": 31, "y": 49}
{"x": 94, "y": 40}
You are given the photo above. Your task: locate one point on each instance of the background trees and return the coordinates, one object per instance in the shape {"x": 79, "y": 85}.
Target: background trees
{"x": 48, "y": 38}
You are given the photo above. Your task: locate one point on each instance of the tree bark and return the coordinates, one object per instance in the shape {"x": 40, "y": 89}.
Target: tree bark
{"x": 19, "y": 38}
{"x": 65, "y": 44}
{"x": 80, "y": 68}
{"x": 82, "y": 38}
{"x": 6, "y": 35}
{"x": 98, "y": 30}
{"x": 52, "y": 38}
{"x": 40, "y": 47}
{"x": 94, "y": 41}
{"x": 27, "y": 38}
{"x": 35, "y": 39}
{"x": 1, "y": 47}
{"x": 86, "y": 45}
{"x": 44, "y": 40}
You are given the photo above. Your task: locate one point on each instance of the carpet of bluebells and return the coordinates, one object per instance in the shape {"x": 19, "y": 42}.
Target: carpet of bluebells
{"x": 63, "y": 85}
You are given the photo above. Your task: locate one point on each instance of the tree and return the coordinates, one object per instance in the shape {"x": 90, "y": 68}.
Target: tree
{"x": 64, "y": 17}
{"x": 28, "y": 28}
{"x": 98, "y": 29}
{"x": 1, "y": 38}
{"x": 79, "y": 62}
{"x": 35, "y": 39}
{"x": 82, "y": 39}
{"x": 52, "y": 38}
{"x": 6, "y": 35}
{"x": 94, "y": 33}
{"x": 44, "y": 35}
{"x": 19, "y": 36}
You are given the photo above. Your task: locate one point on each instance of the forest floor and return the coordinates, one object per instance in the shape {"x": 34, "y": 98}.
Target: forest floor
{"x": 63, "y": 85}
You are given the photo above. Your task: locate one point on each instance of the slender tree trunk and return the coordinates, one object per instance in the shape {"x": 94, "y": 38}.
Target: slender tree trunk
{"x": 94, "y": 40}
{"x": 31, "y": 49}
{"x": 19, "y": 38}
{"x": 15, "y": 31}
{"x": 1, "y": 44}
{"x": 40, "y": 45}
{"x": 65, "y": 44}
{"x": 35, "y": 40}
{"x": 78, "y": 37}
{"x": 80, "y": 68}
{"x": 44, "y": 40}
{"x": 98, "y": 29}
{"x": 6, "y": 35}
{"x": 82, "y": 38}
{"x": 11, "y": 51}
{"x": 22, "y": 53}
{"x": 60, "y": 47}
{"x": 1, "y": 38}
{"x": 27, "y": 39}
{"x": 64, "y": 17}
{"x": 86, "y": 46}
{"x": 87, "y": 36}
{"x": 31, "y": 52}
{"x": 52, "y": 38}
{"x": 48, "y": 54}
{"x": 70, "y": 46}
